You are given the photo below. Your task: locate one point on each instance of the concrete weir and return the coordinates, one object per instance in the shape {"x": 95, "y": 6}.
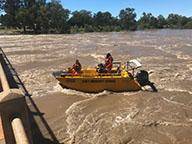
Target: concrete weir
{"x": 13, "y": 107}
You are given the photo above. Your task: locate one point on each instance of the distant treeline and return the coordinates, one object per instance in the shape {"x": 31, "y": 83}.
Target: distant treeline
{"x": 39, "y": 16}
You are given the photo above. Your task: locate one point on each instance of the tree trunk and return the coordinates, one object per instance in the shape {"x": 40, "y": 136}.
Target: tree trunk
{"x": 24, "y": 29}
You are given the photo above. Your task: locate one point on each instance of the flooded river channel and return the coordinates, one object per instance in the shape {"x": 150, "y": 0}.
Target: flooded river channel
{"x": 140, "y": 117}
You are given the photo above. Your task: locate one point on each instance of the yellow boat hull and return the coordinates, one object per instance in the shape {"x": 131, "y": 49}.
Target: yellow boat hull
{"x": 99, "y": 84}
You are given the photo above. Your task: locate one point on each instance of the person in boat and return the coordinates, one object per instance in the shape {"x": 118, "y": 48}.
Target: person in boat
{"x": 108, "y": 62}
{"x": 76, "y": 67}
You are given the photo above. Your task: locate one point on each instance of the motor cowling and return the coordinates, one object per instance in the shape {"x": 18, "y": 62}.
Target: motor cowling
{"x": 143, "y": 77}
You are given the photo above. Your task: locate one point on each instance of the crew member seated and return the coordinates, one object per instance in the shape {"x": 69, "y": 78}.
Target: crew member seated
{"x": 76, "y": 67}
{"x": 108, "y": 62}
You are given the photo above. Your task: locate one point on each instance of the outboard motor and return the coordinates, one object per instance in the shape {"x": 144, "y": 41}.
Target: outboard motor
{"x": 143, "y": 79}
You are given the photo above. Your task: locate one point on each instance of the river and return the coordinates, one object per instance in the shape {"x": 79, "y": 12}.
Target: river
{"x": 119, "y": 118}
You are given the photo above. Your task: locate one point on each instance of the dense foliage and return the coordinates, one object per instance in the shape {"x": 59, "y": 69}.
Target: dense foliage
{"x": 39, "y": 16}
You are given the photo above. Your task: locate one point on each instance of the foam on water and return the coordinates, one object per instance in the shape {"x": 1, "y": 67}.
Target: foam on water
{"x": 182, "y": 56}
{"x": 98, "y": 57}
{"x": 129, "y": 93}
{"x": 74, "y": 92}
{"x": 178, "y": 90}
{"x": 73, "y": 51}
{"x": 104, "y": 44}
{"x": 126, "y": 118}
{"x": 189, "y": 45}
{"x": 189, "y": 66}
{"x": 58, "y": 88}
{"x": 75, "y": 110}
{"x": 170, "y": 50}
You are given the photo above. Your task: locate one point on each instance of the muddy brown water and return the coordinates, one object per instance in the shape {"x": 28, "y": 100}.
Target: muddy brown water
{"x": 117, "y": 118}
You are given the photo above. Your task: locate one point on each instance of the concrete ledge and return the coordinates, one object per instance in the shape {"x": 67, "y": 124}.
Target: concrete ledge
{"x": 13, "y": 107}
{"x": 10, "y": 94}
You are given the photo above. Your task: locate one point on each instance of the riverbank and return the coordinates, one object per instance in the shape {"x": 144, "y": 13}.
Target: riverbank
{"x": 6, "y": 31}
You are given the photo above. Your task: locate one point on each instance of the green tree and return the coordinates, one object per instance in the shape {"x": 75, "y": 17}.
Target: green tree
{"x": 1, "y": 19}
{"x": 161, "y": 22}
{"x": 22, "y": 18}
{"x": 81, "y": 18}
{"x": 184, "y": 21}
{"x": 10, "y": 7}
{"x": 128, "y": 19}
{"x": 2, "y": 4}
{"x": 40, "y": 16}
{"x": 147, "y": 21}
{"x": 57, "y": 16}
{"x": 37, "y": 15}
{"x": 103, "y": 19}
{"x": 172, "y": 20}
{"x": 188, "y": 25}
{"x": 177, "y": 21}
